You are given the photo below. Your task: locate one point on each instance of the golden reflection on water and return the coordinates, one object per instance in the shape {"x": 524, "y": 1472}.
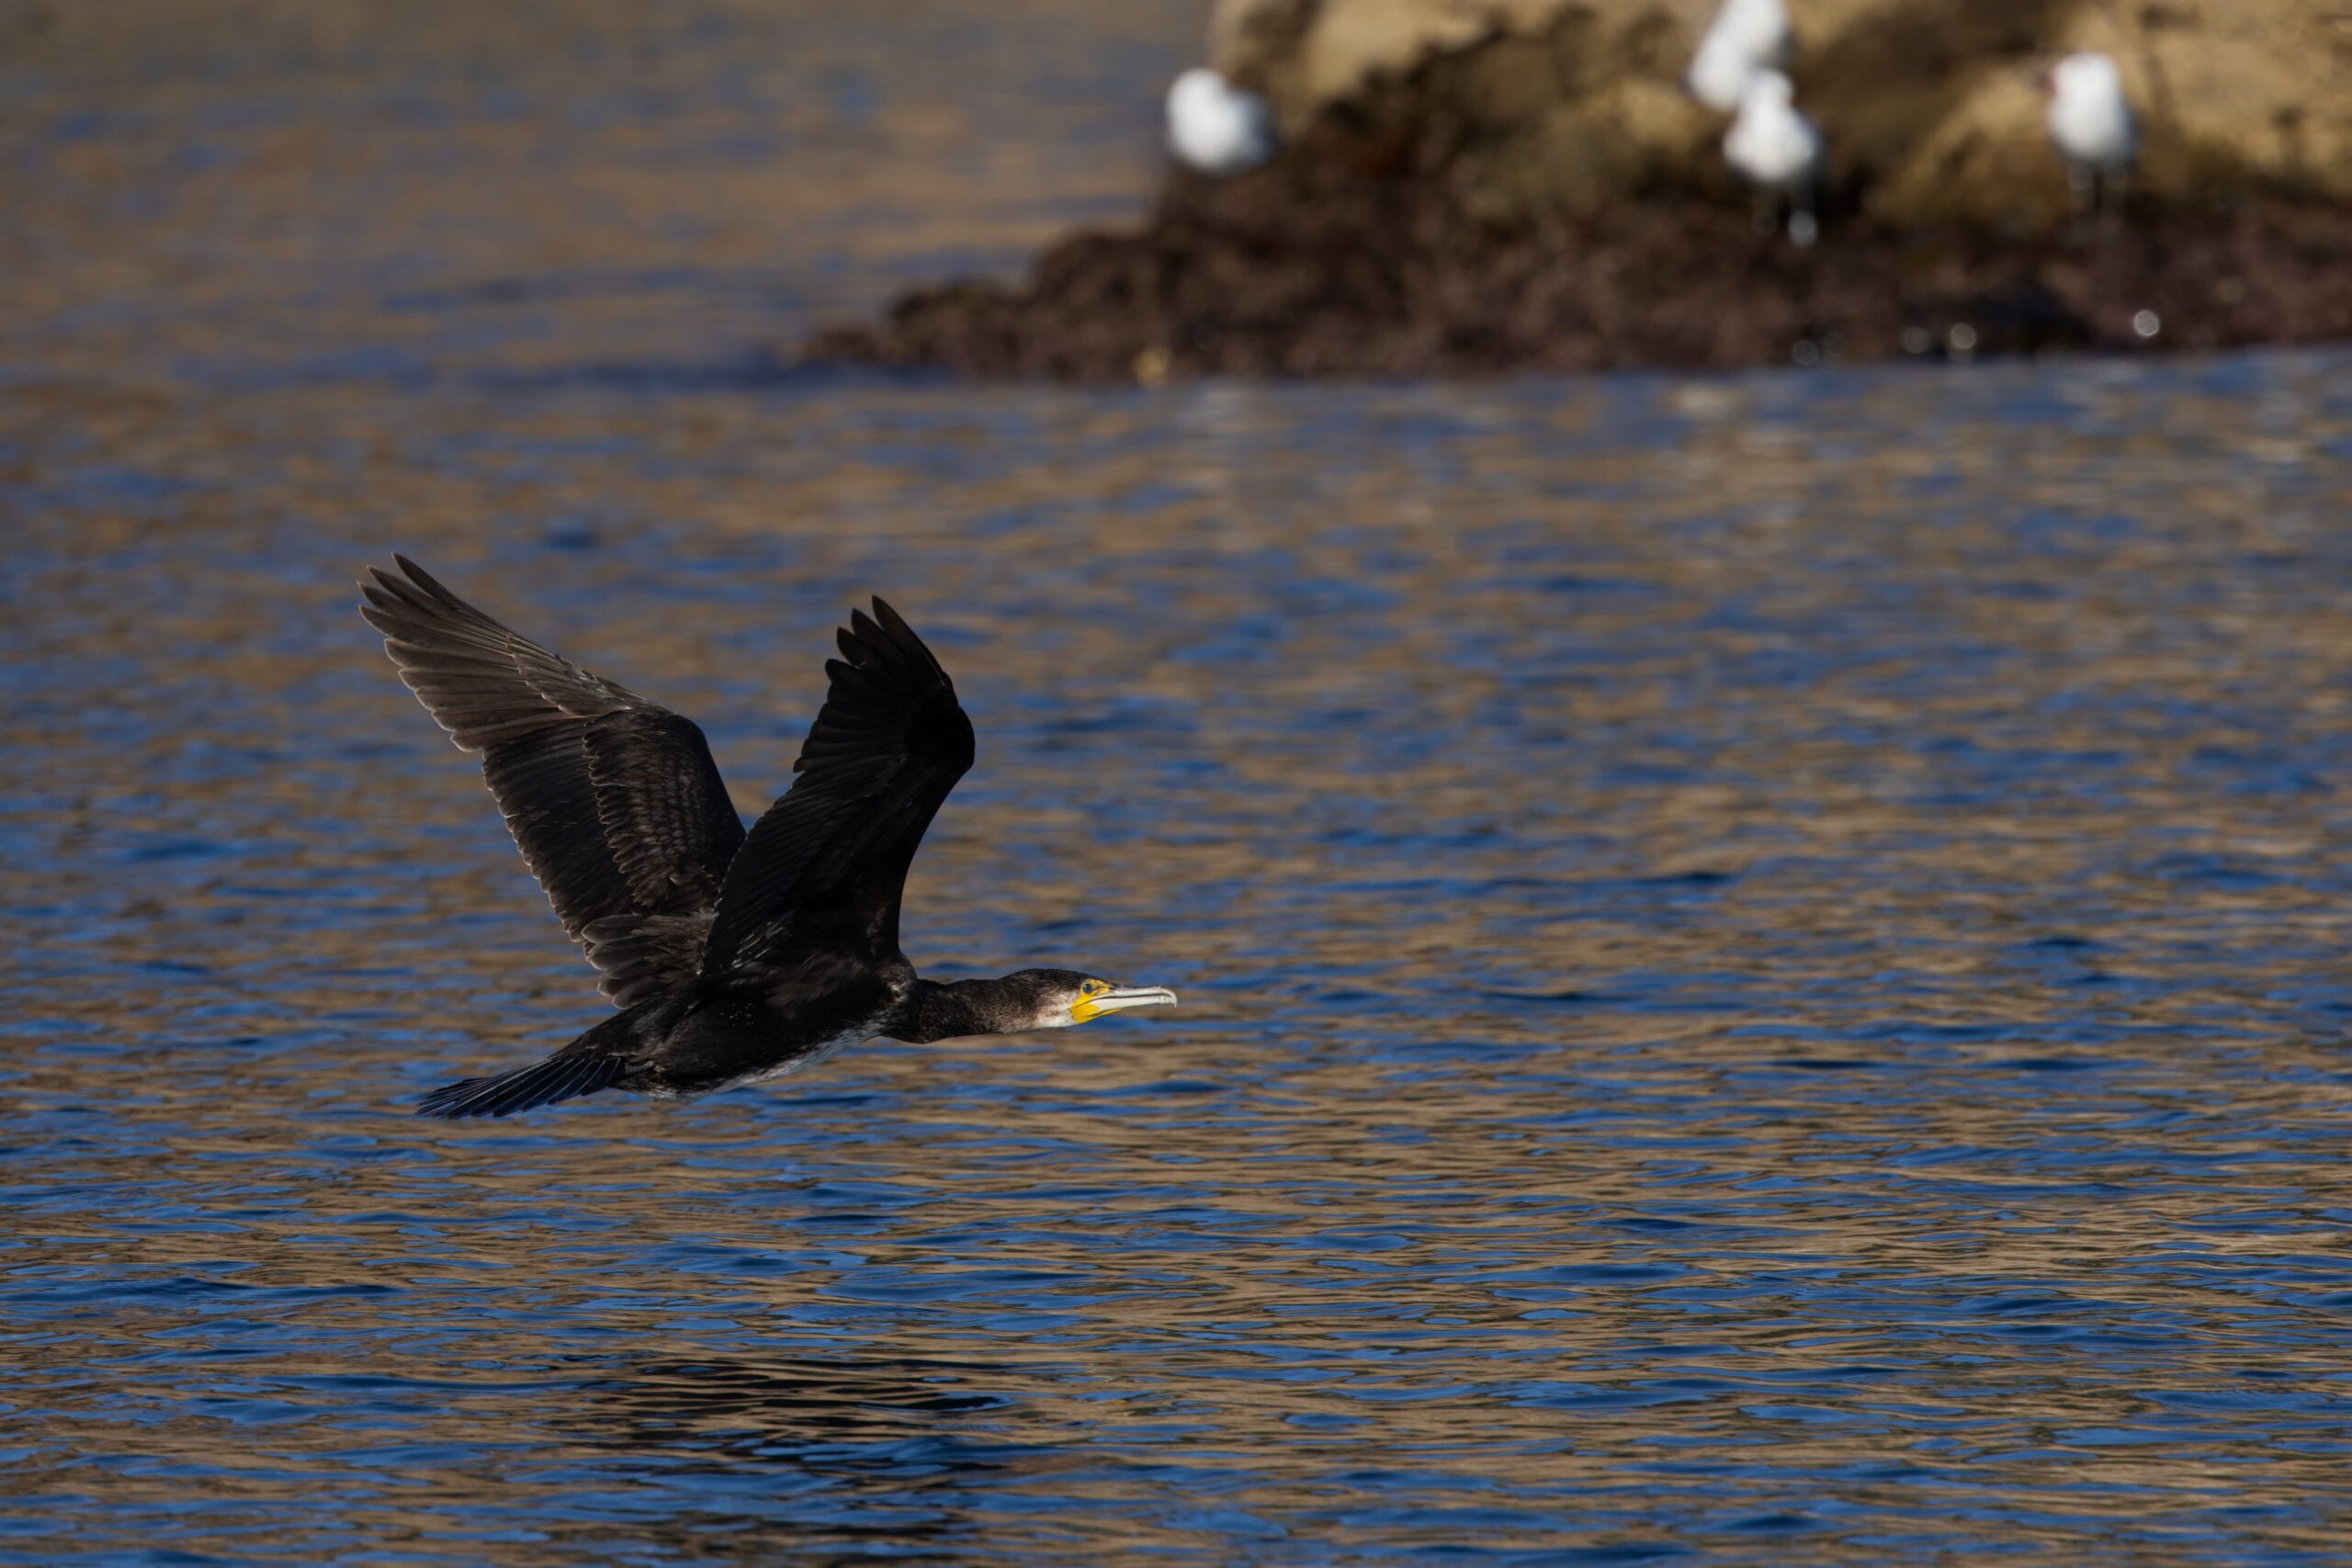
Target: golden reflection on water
{"x": 1754, "y": 950}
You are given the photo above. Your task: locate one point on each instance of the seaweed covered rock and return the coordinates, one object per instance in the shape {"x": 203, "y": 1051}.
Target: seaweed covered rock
{"x": 1264, "y": 277}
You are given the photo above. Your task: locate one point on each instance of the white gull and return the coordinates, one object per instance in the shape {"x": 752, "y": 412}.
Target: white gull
{"x": 1774, "y": 148}
{"x": 1215, "y": 126}
{"x": 2091, "y": 122}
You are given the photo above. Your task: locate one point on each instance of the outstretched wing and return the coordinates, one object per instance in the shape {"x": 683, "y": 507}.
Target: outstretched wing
{"x": 614, "y": 800}
{"x": 822, "y": 871}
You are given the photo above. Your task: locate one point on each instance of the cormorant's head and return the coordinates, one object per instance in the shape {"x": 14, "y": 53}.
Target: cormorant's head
{"x": 1060, "y": 998}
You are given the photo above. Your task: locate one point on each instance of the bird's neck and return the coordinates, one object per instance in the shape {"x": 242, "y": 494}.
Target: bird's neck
{"x": 962, "y": 1007}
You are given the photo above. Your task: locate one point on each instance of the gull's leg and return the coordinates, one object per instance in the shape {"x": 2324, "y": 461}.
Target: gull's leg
{"x": 1803, "y": 227}
{"x": 2082, "y": 183}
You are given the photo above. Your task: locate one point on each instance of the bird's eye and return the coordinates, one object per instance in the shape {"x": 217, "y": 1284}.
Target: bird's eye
{"x": 1092, "y": 988}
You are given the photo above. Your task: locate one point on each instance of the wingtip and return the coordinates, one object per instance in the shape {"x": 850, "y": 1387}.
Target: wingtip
{"x": 380, "y": 595}
{"x": 411, "y": 577}
{"x": 893, "y": 627}
{"x": 868, "y": 643}
{"x": 886, "y": 634}
{"x": 425, "y": 581}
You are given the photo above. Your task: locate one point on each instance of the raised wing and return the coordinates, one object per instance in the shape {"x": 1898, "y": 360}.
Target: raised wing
{"x": 823, "y": 870}
{"x": 614, "y": 800}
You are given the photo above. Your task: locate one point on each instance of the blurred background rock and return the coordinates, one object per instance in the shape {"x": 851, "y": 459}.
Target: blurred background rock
{"x": 1931, "y": 107}
{"x": 1529, "y": 185}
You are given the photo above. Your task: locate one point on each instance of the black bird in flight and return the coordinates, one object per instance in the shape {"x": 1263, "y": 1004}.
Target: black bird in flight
{"x": 733, "y": 957}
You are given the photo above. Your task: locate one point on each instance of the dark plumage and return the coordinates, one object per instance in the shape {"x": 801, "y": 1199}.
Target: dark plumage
{"x": 734, "y": 957}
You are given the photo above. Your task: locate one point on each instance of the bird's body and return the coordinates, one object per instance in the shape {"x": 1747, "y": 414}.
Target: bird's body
{"x": 1746, "y": 37}
{"x": 2091, "y": 122}
{"x": 735, "y": 958}
{"x": 1215, "y": 128}
{"x": 1776, "y": 148}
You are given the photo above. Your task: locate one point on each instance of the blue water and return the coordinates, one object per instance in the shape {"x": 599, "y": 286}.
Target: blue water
{"x": 1762, "y": 957}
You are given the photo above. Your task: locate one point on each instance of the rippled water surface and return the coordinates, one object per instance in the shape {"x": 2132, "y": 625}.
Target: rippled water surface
{"x": 1763, "y": 959}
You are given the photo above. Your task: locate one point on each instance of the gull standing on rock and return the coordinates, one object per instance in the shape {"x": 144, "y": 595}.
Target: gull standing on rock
{"x": 2091, "y": 122}
{"x": 1777, "y": 150}
{"x": 1216, "y": 128}
{"x": 1746, "y": 37}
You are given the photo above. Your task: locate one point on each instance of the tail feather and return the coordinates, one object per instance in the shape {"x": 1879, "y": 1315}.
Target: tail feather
{"x": 567, "y": 1075}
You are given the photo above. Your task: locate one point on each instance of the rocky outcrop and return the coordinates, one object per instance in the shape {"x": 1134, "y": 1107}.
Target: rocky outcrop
{"x": 1523, "y": 185}
{"x": 1933, "y": 116}
{"x": 1264, "y": 277}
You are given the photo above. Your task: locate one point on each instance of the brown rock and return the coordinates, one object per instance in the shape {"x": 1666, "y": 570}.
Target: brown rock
{"x": 1270, "y": 275}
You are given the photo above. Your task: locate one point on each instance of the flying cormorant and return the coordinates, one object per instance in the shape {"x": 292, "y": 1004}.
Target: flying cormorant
{"x": 733, "y": 957}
